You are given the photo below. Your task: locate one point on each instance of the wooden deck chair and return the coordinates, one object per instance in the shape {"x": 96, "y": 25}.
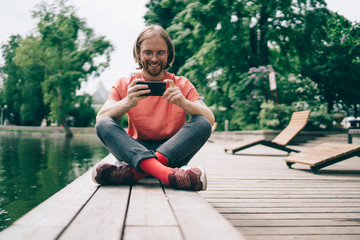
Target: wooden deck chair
{"x": 324, "y": 155}
{"x": 297, "y": 123}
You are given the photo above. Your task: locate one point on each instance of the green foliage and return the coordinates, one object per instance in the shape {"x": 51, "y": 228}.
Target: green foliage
{"x": 253, "y": 101}
{"x": 43, "y": 72}
{"x": 10, "y": 74}
{"x": 306, "y": 43}
{"x": 71, "y": 55}
{"x": 124, "y": 121}
{"x": 332, "y": 57}
{"x": 272, "y": 116}
{"x": 83, "y": 113}
{"x": 28, "y": 60}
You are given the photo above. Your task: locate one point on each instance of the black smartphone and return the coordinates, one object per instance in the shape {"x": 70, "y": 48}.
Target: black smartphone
{"x": 156, "y": 88}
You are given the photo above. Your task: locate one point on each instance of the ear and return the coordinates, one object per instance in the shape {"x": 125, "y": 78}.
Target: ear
{"x": 138, "y": 53}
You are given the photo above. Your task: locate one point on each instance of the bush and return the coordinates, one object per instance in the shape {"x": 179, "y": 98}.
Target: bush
{"x": 83, "y": 113}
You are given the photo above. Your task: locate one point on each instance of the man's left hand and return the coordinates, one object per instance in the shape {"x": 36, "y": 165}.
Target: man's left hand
{"x": 173, "y": 94}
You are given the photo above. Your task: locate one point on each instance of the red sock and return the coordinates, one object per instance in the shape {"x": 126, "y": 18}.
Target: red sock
{"x": 140, "y": 175}
{"x": 161, "y": 158}
{"x": 155, "y": 168}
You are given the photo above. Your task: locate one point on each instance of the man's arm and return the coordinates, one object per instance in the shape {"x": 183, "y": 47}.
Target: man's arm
{"x": 114, "y": 109}
{"x": 174, "y": 95}
{"x": 117, "y": 109}
{"x": 199, "y": 108}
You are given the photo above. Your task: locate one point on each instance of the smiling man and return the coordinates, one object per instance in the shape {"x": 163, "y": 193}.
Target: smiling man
{"x": 160, "y": 141}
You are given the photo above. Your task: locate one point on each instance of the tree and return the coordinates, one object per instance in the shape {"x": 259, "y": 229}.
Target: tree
{"x": 70, "y": 54}
{"x": 331, "y": 58}
{"x": 28, "y": 60}
{"x": 83, "y": 113}
{"x": 11, "y": 75}
{"x": 216, "y": 51}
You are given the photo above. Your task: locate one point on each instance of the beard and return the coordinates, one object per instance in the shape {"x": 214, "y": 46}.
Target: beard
{"x": 154, "y": 69}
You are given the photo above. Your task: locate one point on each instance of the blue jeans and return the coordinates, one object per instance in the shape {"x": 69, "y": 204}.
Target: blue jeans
{"x": 179, "y": 149}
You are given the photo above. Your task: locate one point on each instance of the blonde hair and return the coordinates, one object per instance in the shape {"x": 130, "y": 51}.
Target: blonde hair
{"x": 151, "y": 31}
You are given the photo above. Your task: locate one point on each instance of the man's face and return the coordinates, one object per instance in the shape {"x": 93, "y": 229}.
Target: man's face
{"x": 153, "y": 55}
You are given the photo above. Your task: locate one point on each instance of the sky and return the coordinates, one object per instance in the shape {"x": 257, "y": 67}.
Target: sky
{"x": 120, "y": 21}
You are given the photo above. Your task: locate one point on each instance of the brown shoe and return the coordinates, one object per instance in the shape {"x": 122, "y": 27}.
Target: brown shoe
{"x": 111, "y": 174}
{"x": 188, "y": 178}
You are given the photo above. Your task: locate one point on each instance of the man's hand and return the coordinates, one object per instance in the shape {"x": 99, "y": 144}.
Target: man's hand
{"x": 135, "y": 91}
{"x": 174, "y": 95}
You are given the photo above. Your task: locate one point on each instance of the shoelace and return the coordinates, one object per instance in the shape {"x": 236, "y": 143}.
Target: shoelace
{"x": 182, "y": 179}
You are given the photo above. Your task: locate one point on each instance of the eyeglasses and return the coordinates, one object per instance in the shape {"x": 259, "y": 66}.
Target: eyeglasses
{"x": 150, "y": 54}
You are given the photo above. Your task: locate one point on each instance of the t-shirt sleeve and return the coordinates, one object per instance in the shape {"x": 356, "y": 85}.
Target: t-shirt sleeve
{"x": 115, "y": 92}
{"x": 189, "y": 90}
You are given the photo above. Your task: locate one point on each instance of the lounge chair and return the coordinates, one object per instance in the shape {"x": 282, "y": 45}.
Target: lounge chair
{"x": 324, "y": 155}
{"x": 297, "y": 123}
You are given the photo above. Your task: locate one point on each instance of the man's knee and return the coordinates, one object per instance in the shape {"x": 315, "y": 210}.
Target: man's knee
{"x": 103, "y": 125}
{"x": 203, "y": 124}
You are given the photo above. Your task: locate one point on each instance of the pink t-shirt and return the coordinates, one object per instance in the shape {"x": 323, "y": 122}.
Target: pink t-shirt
{"x": 154, "y": 118}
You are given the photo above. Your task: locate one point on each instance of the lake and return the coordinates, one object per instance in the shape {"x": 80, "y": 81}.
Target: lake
{"x": 33, "y": 168}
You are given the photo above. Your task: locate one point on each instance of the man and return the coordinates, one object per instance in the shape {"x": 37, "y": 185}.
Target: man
{"x": 159, "y": 139}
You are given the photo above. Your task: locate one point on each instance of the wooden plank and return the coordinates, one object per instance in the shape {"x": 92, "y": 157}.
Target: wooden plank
{"x": 264, "y": 184}
{"x": 48, "y": 219}
{"x": 345, "y": 205}
{"x": 287, "y": 216}
{"x": 285, "y": 190}
{"x": 299, "y": 191}
{"x": 239, "y": 210}
{"x": 198, "y": 220}
{"x": 279, "y": 196}
{"x": 102, "y": 217}
{"x": 293, "y": 222}
{"x": 322, "y": 153}
{"x": 297, "y": 123}
{"x": 304, "y": 237}
{"x": 153, "y": 232}
{"x": 285, "y": 201}
{"x": 149, "y": 207}
{"x": 300, "y": 230}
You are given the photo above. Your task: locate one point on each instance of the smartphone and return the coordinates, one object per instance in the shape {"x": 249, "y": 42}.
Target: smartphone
{"x": 156, "y": 88}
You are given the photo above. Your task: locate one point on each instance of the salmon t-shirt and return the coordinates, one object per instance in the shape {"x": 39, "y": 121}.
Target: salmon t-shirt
{"x": 153, "y": 118}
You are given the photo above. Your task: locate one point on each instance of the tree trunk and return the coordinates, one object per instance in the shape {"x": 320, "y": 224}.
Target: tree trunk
{"x": 68, "y": 132}
{"x": 263, "y": 26}
{"x": 253, "y": 62}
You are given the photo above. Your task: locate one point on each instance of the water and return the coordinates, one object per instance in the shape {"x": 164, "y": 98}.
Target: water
{"x": 32, "y": 168}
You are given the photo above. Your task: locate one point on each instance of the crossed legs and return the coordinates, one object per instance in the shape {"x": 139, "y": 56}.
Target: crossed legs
{"x": 160, "y": 159}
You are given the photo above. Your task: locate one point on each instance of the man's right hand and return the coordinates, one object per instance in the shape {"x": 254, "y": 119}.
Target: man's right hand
{"x": 135, "y": 91}
{"x": 116, "y": 109}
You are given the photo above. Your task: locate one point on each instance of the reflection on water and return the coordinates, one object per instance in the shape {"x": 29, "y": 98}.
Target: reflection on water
{"x": 32, "y": 168}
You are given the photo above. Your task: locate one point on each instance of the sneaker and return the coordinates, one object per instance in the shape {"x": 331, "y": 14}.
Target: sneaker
{"x": 188, "y": 178}
{"x": 111, "y": 174}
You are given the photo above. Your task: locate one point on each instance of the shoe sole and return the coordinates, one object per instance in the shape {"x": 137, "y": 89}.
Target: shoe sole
{"x": 203, "y": 178}
{"x": 94, "y": 173}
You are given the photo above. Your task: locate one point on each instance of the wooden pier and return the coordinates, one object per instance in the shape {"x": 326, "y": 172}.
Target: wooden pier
{"x": 147, "y": 210}
{"x": 252, "y": 195}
